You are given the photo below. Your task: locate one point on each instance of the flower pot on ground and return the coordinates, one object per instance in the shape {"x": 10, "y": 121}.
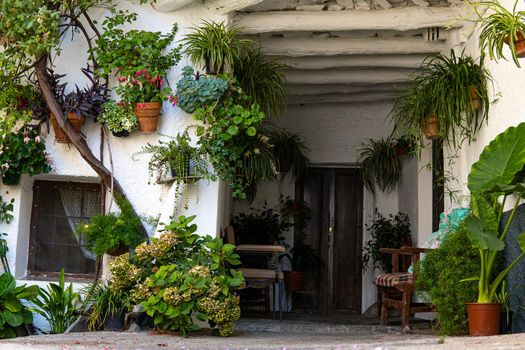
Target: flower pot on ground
{"x": 77, "y": 121}
{"x": 430, "y": 127}
{"x": 115, "y": 322}
{"x": 121, "y": 134}
{"x": 106, "y": 307}
{"x": 483, "y": 318}
{"x": 147, "y": 114}
{"x": 492, "y": 183}
{"x": 293, "y": 281}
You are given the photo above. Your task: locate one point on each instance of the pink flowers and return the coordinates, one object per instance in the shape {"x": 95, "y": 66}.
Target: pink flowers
{"x": 122, "y": 79}
{"x": 141, "y": 105}
{"x": 121, "y": 103}
{"x": 174, "y": 100}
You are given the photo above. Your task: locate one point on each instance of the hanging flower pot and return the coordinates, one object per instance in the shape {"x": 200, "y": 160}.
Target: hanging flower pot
{"x": 147, "y": 114}
{"x": 76, "y": 121}
{"x": 430, "y": 127}
{"x": 285, "y": 164}
{"x": 474, "y": 102}
{"x": 519, "y": 44}
{"x": 11, "y": 179}
{"x": 123, "y": 133}
{"x": 120, "y": 250}
{"x": 293, "y": 281}
{"x": 483, "y": 318}
{"x": 215, "y": 69}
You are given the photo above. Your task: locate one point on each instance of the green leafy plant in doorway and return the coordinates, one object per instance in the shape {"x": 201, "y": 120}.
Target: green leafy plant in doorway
{"x": 386, "y": 232}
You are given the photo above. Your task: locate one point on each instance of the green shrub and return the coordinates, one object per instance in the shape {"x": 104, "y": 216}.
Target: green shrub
{"x": 104, "y": 303}
{"x": 440, "y": 273}
{"x": 180, "y": 275}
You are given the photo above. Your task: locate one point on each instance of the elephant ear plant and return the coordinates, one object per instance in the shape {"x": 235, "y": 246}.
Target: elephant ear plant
{"x": 494, "y": 178}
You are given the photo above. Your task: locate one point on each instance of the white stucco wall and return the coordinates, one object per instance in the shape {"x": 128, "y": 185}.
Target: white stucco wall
{"x": 149, "y": 200}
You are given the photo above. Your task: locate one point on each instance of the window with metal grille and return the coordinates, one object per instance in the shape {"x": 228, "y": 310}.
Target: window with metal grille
{"x": 58, "y": 207}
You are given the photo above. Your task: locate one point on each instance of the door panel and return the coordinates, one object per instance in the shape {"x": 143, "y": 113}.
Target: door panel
{"x": 336, "y": 199}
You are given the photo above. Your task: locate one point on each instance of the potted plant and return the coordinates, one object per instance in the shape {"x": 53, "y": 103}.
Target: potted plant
{"x": 404, "y": 145}
{"x": 303, "y": 258}
{"x": 22, "y": 152}
{"x": 427, "y": 107}
{"x": 380, "y": 165}
{"x": 16, "y": 317}
{"x": 491, "y": 182}
{"x": 118, "y": 117}
{"x": 386, "y": 232}
{"x": 196, "y": 91}
{"x": 291, "y": 151}
{"x": 263, "y": 79}
{"x": 106, "y": 308}
{"x": 145, "y": 91}
{"x": 499, "y": 26}
{"x": 259, "y": 227}
{"x": 112, "y": 234}
{"x": 178, "y": 158}
{"x": 215, "y": 45}
{"x": 77, "y": 104}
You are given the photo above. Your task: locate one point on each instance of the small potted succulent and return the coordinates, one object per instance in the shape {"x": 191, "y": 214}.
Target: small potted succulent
{"x": 22, "y": 152}
{"x": 146, "y": 91}
{"x": 112, "y": 234}
{"x": 118, "y": 117}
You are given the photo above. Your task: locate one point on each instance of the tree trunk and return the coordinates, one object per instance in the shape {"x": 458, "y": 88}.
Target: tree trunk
{"x": 76, "y": 138}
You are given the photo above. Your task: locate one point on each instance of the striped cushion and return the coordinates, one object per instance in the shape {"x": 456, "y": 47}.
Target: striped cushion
{"x": 392, "y": 279}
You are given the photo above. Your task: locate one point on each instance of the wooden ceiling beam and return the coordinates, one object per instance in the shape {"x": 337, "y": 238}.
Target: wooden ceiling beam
{"x": 297, "y": 47}
{"x": 227, "y": 6}
{"x": 347, "y": 76}
{"x": 357, "y": 61}
{"x": 399, "y": 19}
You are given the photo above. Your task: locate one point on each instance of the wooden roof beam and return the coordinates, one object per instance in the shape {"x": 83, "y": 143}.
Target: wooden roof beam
{"x": 297, "y": 47}
{"x": 311, "y": 89}
{"x": 342, "y": 98}
{"x": 357, "y": 61}
{"x": 227, "y": 6}
{"x": 399, "y": 19}
{"x": 347, "y": 76}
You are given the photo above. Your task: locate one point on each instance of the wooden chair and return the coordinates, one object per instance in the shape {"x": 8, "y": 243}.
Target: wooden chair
{"x": 395, "y": 289}
{"x": 261, "y": 277}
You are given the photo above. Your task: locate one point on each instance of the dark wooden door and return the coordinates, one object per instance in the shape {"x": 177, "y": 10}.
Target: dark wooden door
{"x": 336, "y": 198}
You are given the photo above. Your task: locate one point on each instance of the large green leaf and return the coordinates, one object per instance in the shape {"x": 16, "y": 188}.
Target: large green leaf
{"x": 482, "y": 209}
{"x": 480, "y": 236}
{"x": 500, "y": 160}
{"x": 12, "y": 303}
{"x": 14, "y": 319}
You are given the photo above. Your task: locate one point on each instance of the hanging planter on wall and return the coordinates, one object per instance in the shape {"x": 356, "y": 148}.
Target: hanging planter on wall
{"x": 148, "y": 115}
{"x": 11, "y": 179}
{"x": 430, "y": 127}
{"x": 519, "y": 44}
{"x": 76, "y": 121}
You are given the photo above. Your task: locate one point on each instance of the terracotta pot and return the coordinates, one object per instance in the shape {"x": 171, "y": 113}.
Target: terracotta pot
{"x": 431, "y": 127}
{"x": 475, "y": 101}
{"x": 147, "y": 114}
{"x": 75, "y": 121}
{"x": 293, "y": 281}
{"x": 120, "y": 250}
{"x": 519, "y": 44}
{"x": 11, "y": 180}
{"x": 285, "y": 165}
{"x": 483, "y": 318}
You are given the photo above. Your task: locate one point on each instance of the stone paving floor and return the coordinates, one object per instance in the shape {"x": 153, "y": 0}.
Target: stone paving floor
{"x": 268, "y": 335}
